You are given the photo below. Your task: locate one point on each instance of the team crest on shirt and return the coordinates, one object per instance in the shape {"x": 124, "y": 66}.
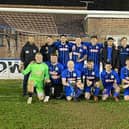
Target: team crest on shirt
{"x": 74, "y": 74}
{"x": 85, "y": 62}
{"x": 93, "y": 73}
{"x": 56, "y": 68}
{"x": 46, "y": 48}
{"x": 34, "y": 51}
{"x": 112, "y": 76}
{"x": 127, "y": 49}
{"x": 66, "y": 45}
{"x": 27, "y": 51}
{"x": 97, "y": 47}
{"x": 121, "y": 49}
{"x": 80, "y": 50}
{"x": 74, "y": 48}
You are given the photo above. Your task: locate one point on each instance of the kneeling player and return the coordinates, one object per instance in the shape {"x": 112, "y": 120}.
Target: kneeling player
{"x": 91, "y": 81}
{"x": 71, "y": 79}
{"x": 111, "y": 81}
{"x": 38, "y": 74}
{"x": 56, "y": 87}
{"x": 125, "y": 80}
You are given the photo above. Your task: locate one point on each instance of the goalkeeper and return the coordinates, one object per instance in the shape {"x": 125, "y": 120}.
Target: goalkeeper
{"x": 38, "y": 77}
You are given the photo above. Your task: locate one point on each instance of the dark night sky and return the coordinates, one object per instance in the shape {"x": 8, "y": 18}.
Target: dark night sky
{"x": 98, "y": 4}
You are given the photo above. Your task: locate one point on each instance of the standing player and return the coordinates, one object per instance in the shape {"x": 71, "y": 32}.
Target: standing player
{"x": 110, "y": 54}
{"x": 94, "y": 52}
{"x": 64, "y": 48}
{"x": 71, "y": 80}
{"x": 123, "y": 51}
{"x": 38, "y": 76}
{"x": 55, "y": 70}
{"x": 125, "y": 80}
{"x": 78, "y": 54}
{"x": 27, "y": 55}
{"x": 91, "y": 80}
{"x": 111, "y": 81}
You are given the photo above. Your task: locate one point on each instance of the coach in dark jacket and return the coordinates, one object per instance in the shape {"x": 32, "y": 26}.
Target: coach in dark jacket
{"x": 27, "y": 55}
{"x": 111, "y": 54}
{"x": 47, "y": 49}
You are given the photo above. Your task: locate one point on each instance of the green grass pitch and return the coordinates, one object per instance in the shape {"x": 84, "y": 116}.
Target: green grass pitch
{"x": 58, "y": 114}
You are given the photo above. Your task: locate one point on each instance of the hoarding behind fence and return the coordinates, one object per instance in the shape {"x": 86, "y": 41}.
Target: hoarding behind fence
{"x": 9, "y": 69}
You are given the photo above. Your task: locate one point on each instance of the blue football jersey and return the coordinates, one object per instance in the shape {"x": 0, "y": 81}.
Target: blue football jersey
{"x": 123, "y": 54}
{"x": 63, "y": 52}
{"x": 94, "y": 52}
{"x": 112, "y": 76}
{"x": 78, "y": 52}
{"x": 57, "y": 69}
{"x": 124, "y": 74}
{"x": 89, "y": 74}
{"x": 71, "y": 76}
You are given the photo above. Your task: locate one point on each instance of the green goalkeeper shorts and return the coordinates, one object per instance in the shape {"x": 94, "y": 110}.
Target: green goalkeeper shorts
{"x": 38, "y": 85}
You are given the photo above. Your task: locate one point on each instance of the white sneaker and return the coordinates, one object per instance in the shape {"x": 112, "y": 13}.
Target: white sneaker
{"x": 46, "y": 99}
{"x": 29, "y": 100}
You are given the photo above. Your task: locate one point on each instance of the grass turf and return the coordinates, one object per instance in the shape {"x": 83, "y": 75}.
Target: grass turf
{"x": 58, "y": 114}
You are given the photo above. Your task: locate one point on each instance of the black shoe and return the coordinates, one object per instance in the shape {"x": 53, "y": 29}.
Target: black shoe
{"x": 58, "y": 97}
{"x": 76, "y": 99}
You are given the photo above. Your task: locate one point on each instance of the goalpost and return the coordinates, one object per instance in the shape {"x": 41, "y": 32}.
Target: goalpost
{"x": 121, "y": 14}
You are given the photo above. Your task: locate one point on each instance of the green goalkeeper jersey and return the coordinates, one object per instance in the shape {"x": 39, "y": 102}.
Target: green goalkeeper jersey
{"x": 38, "y": 72}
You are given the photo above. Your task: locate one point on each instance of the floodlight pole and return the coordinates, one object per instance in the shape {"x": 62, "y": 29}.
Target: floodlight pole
{"x": 87, "y": 3}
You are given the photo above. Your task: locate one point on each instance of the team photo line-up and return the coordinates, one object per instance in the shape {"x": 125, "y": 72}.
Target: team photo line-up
{"x": 72, "y": 69}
